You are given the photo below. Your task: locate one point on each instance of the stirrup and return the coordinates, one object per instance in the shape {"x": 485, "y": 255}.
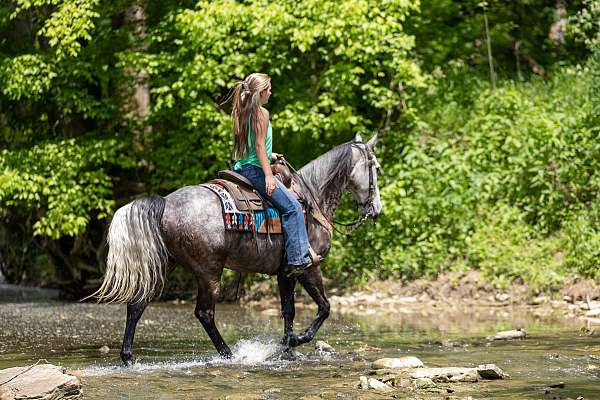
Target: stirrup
{"x": 296, "y": 270}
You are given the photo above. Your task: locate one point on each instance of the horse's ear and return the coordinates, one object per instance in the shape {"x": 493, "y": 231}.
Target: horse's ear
{"x": 373, "y": 141}
{"x": 357, "y": 137}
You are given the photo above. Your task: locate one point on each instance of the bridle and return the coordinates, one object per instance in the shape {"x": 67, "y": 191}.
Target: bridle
{"x": 370, "y": 197}
{"x": 370, "y": 161}
{"x": 318, "y": 214}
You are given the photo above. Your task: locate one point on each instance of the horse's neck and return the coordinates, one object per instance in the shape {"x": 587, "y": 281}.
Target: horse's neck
{"x": 327, "y": 199}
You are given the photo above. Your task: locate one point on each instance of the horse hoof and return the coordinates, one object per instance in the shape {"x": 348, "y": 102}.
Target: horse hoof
{"x": 289, "y": 355}
{"x": 226, "y": 354}
{"x": 128, "y": 362}
{"x": 127, "y": 359}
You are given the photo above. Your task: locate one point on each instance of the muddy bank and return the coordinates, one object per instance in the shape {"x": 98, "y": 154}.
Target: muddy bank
{"x": 577, "y": 299}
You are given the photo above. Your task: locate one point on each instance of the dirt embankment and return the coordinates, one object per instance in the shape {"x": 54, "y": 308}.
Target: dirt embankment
{"x": 576, "y": 299}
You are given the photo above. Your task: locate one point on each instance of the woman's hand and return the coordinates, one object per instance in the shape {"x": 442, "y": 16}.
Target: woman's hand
{"x": 269, "y": 184}
{"x": 276, "y": 156}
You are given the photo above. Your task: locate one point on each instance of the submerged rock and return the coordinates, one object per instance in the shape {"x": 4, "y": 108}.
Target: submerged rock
{"x": 448, "y": 374}
{"x": 396, "y": 363}
{"x": 43, "y": 381}
{"x": 323, "y": 347}
{"x": 424, "y": 383}
{"x": 491, "y": 371}
{"x": 244, "y": 396}
{"x": 364, "y": 382}
{"x": 379, "y": 386}
{"x": 375, "y": 384}
{"x": 595, "y": 312}
{"x": 508, "y": 335}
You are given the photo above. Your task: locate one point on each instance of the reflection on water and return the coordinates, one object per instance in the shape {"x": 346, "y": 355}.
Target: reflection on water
{"x": 177, "y": 360}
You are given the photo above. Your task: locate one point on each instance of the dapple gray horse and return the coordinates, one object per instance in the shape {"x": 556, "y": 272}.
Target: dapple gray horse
{"x": 150, "y": 235}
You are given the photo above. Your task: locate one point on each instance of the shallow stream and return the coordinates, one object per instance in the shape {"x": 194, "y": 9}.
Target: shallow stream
{"x": 177, "y": 360}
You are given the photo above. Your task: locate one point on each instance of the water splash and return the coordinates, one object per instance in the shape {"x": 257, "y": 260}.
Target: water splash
{"x": 254, "y": 352}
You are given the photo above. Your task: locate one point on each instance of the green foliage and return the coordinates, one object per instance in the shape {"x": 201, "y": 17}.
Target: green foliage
{"x": 533, "y": 147}
{"x": 585, "y": 25}
{"x": 334, "y": 67}
{"x": 71, "y": 23}
{"x": 447, "y": 30}
{"x": 582, "y": 241}
{"x": 506, "y": 250}
{"x": 26, "y": 76}
{"x": 62, "y": 183}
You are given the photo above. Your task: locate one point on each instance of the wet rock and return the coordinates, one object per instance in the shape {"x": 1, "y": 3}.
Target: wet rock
{"x": 396, "y": 380}
{"x": 592, "y": 321}
{"x": 491, "y": 371}
{"x": 244, "y": 396}
{"x": 450, "y": 343}
{"x": 568, "y": 299}
{"x": 592, "y": 305}
{"x": 375, "y": 384}
{"x": 104, "y": 349}
{"x": 508, "y": 335}
{"x": 323, "y": 347}
{"x": 364, "y": 382}
{"x": 396, "y": 363}
{"x": 379, "y": 386}
{"x": 271, "y": 312}
{"x": 502, "y": 297}
{"x": 447, "y": 374}
{"x": 272, "y": 390}
{"x": 43, "y": 381}
{"x": 424, "y": 383}
{"x": 595, "y": 312}
{"x": 559, "y": 385}
{"x": 408, "y": 299}
{"x": 328, "y": 394}
{"x": 536, "y": 301}
{"x": 365, "y": 348}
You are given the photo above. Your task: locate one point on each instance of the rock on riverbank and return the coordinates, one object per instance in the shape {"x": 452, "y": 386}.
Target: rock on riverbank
{"x": 398, "y": 373}
{"x": 43, "y": 381}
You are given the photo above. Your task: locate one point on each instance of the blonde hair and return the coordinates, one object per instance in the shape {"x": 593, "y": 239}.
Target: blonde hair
{"x": 246, "y": 107}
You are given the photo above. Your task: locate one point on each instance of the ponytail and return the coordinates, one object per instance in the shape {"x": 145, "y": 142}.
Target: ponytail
{"x": 246, "y": 110}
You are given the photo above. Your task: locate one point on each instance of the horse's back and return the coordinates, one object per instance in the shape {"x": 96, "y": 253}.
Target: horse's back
{"x": 195, "y": 233}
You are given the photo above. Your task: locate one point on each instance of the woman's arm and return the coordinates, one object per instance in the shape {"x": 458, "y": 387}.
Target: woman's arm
{"x": 261, "y": 149}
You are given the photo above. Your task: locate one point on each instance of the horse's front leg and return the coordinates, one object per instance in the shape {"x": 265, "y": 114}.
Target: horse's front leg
{"x": 288, "y": 310}
{"x": 312, "y": 281}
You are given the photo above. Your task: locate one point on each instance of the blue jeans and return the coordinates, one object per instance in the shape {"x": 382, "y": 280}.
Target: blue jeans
{"x": 292, "y": 216}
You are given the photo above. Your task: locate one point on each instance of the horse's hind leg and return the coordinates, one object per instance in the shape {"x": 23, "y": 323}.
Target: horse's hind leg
{"x": 134, "y": 312}
{"x": 208, "y": 293}
{"x": 288, "y": 310}
{"x": 312, "y": 281}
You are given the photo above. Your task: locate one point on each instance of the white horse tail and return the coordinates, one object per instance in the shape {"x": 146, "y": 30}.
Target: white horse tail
{"x": 137, "y": 255}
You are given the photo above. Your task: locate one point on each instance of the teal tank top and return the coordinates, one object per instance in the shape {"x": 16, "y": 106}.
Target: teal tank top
{"x": 251, "y": 157}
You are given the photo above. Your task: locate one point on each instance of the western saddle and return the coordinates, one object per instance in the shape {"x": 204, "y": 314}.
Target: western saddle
{"x": 246, "y": 198}
{"x": 241, "y": 189}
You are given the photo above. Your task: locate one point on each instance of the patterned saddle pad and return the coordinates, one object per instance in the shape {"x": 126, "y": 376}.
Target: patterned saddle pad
{"x": 260, "y": 221}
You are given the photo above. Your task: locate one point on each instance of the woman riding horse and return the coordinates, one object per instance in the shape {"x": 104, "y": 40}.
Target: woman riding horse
{"x": 253, "y": 150}
{"x": 150, "y": 235}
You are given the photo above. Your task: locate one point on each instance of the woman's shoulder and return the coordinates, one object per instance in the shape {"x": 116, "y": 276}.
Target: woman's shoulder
{"x": 264, "y": 112}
